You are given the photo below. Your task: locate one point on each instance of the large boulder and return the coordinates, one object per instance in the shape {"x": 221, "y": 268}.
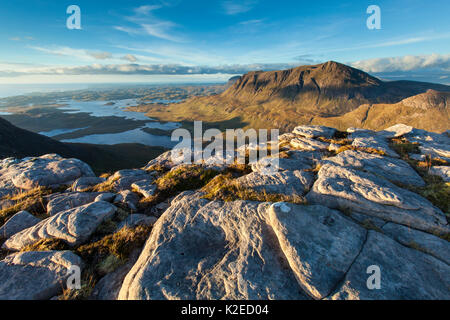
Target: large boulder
{"x": 314, "y": 131}
{"x": 368, "y": 194}
{"x": 211, "y": 250}
{"x": 405, "y": 274}
{"x": 395, "y": 170}
{"x": 308, "y": 144}
{"x": 18, "y": 222}
{"x": 434, "y": 144}
{"x": 319, "y": 244}
{"x": 35, "y": 275}
{"x": 74, "y": 226}
{"x": 46, "y": 171}
{"x": 243, "y": 250}
{"x": 395, "y": 131}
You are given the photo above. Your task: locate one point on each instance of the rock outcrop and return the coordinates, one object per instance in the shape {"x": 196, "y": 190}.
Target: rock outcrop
{"x": 371, "y": 203}
{"x": 35, "y": 275}
{"x": 73, "y": 226}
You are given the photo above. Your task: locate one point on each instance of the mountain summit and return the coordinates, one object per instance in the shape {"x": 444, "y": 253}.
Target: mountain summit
{"x": 275, "y": 98}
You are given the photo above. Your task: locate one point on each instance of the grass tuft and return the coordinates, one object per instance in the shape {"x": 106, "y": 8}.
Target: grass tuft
{"x": 224, "y": 187}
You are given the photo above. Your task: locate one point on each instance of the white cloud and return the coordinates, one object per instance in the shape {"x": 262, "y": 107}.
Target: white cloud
{"x": 160, "y": 30}
{"x": 130, "y": 58}
{"x": 233, "y": 7}
{"x": 405, "y": 63}
{"x": 146, "y": 23}
{"x": 81, "y": 54}
{"x": 140, "y": 69}
{"x": 100, "y": 55}
{"x": 145, "y": 10}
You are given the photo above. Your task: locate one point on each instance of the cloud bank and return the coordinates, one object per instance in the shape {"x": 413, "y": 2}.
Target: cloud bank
{"x": 405, "y": 63}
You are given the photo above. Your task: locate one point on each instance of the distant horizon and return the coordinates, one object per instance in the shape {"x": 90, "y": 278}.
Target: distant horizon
{"x": 201, "y": 41}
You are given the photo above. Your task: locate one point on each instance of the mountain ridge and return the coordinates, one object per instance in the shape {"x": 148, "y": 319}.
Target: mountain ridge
{"x": 275, "y": 98}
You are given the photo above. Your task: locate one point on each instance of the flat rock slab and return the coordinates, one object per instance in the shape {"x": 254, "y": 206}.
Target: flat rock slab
{"x": 65, "y": 201}
{"x": 308, "y": 144}
{"x": 365, "y": 193}
{"x": 18, "y": 222}
{"x": 395, "y": 131}
{"x": 425, "y": 242}
{"x": 296, "y": 160}
{"x": 85, "y": 183}
{"x": 286, "y": 182}
{"x": 392, "y": 169}
{"x": 406, "y": 274}
{"x": 441, "y": 171}
{"x": 47, "y": 171}
{"x": 74, "y": 226}
{"x": 35, "y": 275}
{"x": 211, "y": 250}
{"x": 319, "y": 244}
{"x": 434, "y": 144}
{"x": 123, "y": 179}
{"x": 374, "y": 142}
{"x": 315, "y": 131}
{"x": 145, "y": 187}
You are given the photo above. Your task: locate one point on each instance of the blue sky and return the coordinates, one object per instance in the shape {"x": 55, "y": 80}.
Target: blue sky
{"x": 197, "y": 40}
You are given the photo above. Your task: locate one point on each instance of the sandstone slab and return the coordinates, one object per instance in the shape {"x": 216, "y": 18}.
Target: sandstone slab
{"x": 405, "y": 274}
{"x": 145, "y": 187}
{"x": 425, "y": 242}
{"x": 319, "y": 244}
{"x": 35, "y": 275}
{"x": 286, "y": 182}
{"x": 211, "y": 250}
{"x": 18, "y": 222}
{"x": 74, "y": 226}
{"x": 308, "y": 144}
{"x": 65, "y": 201}
{"x": 392, "y": 169}
{"x": 314, "y": 131}
{"x": 368, "y": 194}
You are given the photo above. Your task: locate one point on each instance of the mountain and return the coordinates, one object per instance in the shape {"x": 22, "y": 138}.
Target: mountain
{"x": 284, "y": 99}
{"x": 16, "y": 142}
{"x": 429, "y": 111}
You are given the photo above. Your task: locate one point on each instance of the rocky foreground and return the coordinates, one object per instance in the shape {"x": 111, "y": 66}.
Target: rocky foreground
{"x": 340, "y": 203}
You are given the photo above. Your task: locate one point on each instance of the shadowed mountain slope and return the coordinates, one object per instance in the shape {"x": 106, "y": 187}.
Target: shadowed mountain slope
{"x": 18, "y": 143}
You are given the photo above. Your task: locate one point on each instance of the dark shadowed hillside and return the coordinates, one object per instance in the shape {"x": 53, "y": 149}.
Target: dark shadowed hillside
{"x": 16, "y": 142}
